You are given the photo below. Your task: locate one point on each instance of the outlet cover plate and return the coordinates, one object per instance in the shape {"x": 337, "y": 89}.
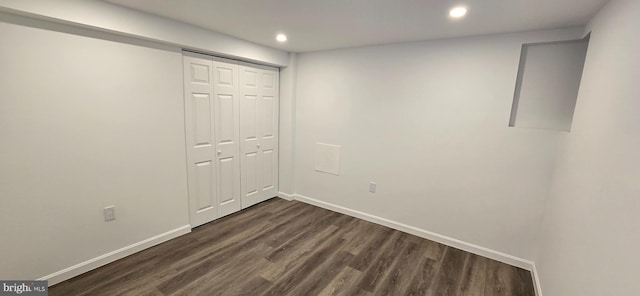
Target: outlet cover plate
{"x": 110, "y": 213}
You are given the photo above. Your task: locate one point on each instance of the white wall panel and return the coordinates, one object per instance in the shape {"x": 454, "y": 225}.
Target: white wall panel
{"x": 427, "y": 122}
{"x": 86, "y": 123}
{"x": 287, "y": 112}
{"x": 590, "y": 238}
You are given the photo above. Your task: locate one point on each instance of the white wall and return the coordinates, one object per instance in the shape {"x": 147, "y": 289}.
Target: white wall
{"x": 428, "y": 122}
{"x": 287, "y": 128}
{"x": 550, "y": 78}
{"x": 591, "y": 232}
{"x": 85, "y": 123}
{"x": 103, "y": 16}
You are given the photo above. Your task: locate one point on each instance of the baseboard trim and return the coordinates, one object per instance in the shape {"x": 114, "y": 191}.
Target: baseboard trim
{"x": 107, "y": 258}
{"x": 286, "y": 196}
{"x": 443, "y": 239}
{"x": 536, "y": 279}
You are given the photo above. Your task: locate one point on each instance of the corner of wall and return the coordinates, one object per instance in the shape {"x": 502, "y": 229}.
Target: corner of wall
{"x": 536, "y": 279}
{"x": 286, "y": 196}
{"x": 287, "y": 125}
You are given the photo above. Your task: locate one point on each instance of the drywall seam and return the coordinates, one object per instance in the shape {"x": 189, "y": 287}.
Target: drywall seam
{"x": 93, "y": 263}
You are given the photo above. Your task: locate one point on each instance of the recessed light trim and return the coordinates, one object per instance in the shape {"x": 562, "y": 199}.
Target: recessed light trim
{"x": 281, "y": 37}
{"x": 458, "y": 12}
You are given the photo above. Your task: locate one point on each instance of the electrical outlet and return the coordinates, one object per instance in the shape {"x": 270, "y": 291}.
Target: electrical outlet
{"x": 372, "y": 187}
{"x": 110, "y": 213}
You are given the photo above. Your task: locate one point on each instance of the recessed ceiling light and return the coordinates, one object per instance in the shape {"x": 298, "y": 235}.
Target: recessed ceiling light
{"x": 458, "y": 12}
{"x": 281, "y": 37}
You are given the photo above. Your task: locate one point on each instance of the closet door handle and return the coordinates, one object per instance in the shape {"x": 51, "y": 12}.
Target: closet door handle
{"x": 219, "y": 151}
{"x": 258, "y": 145}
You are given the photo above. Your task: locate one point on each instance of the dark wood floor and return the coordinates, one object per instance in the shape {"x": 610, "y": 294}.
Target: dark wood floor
{"x": 290, "y": 248}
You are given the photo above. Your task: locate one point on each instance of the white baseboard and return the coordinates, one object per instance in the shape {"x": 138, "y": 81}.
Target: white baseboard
{"x": 452, "y": 242}
{"x": 536, "y": 279}
{"x": 96, "y": 262}
{"x": 286, "y": 196}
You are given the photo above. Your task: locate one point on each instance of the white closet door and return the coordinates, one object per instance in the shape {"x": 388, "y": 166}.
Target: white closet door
{"x": 258, "y": 133}
{"x": 227, "y": 131}
{"x": 268, "y": 133}
{"x": 249, "y": 110}
{"x": 201, "y": 159}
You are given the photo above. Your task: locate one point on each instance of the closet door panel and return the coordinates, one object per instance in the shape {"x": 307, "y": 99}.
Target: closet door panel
{"x": 269, "y": 133}
{"x": 227, "y": 135}
{"x": 250, "y": 135}
{"x": 259, "y": 132}
{"x": 200, "y": 139}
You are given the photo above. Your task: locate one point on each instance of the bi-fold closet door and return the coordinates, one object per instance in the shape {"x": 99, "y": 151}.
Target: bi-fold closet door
{"x": 258, "y": 132}
{"x": 231, "y": 112}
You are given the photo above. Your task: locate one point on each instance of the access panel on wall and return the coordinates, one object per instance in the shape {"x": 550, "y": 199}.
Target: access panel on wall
{"x": 231, "y": 155}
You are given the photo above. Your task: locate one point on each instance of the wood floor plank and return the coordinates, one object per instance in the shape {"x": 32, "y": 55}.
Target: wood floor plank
{"x": 474, "y": 276}
{"x": 341, "y": 284}
{"x": 223, "y": 279}
{"x": 423, "y": 278}
{"x": 402, "y": 271}
{"x": 304, "y": 227}
{"x": 378, "y": 270}
{"x": 253, "y": 234}
{"x": 499, "y": 280}
{"x": 372, "y": 249}
{"x": 359, "y": 237}
{"x": 450, "y": 273}
{"x": 212, "y": 237}
{"x": 288, "y": 282}
{"x": 307, "y": 239}
{"x": 254, "y": 286}
{"x": 294, "y": 209}
{"x": 132, "y": 285}
{"x": 214, "y": 262}
{"x": 323, "y": 275}
{"x": 121, "y": 283}
{"x": 434, "y": 251}
{"x": 150, "y": 292}
{"x": 284, "y": 248}
{"x": 522, "y": 281}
